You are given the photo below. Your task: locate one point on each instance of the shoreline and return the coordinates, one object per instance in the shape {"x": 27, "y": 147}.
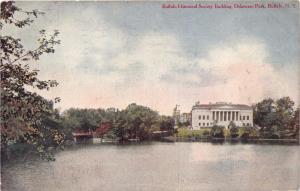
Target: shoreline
{"x": 215, "y": 141}
{"x": 172, "y": 139}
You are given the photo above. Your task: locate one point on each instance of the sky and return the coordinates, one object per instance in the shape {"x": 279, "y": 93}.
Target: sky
{"x": 116, "y": 53}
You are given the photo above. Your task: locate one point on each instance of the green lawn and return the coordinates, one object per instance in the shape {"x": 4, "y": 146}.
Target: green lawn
{"x": 188, "y": 133}
{"x": 203, "y": 132}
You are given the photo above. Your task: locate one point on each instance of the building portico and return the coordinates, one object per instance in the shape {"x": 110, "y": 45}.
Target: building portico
{"x": 221, "y": 113}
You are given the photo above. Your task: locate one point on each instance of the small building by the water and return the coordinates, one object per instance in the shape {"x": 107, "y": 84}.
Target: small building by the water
{"x": 87, "y": 136}
{"x": 81, "y": 136}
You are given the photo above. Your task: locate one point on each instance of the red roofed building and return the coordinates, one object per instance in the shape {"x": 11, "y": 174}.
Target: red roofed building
{"x": 103, "y": 129}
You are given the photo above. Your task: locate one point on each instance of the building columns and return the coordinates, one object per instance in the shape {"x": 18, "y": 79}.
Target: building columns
{"x": 222, "y": 116}
{"x": 230, "y": 115}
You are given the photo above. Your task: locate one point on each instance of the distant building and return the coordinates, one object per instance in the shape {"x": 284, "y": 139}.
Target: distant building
{"x": 176, "y": 116}
{"x": 111, "y": 109}
{"x": 185, "y": 117}
{"x": 221, "y": 113}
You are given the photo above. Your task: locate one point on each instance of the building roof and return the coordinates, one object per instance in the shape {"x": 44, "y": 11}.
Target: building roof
{"x": 222, "y": 105}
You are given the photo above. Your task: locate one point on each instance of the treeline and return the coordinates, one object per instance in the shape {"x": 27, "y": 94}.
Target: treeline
{"x": 135, "y": 121}
{"x": 277, "y": 118}
{"x": 273, "y": 119}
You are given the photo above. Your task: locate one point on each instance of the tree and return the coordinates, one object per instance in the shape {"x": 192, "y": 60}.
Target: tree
{"x": 217, "y": 131}
{"x": 275, "y": 117}
{"x": 268, "y": 112}
{"x": 166, "y": 123}
{"x": 22, "y": 110}
{"x": 121, "y": 128}
{"x": 135, "y": 121}
{"x": 234, "y": 131}
{"x": 85, "y": 119}
{"x": 295, "y": 123}
{"x": 284, "y": 112}
{"x": 140, "y": 120}
{"x": 265, "y": 113}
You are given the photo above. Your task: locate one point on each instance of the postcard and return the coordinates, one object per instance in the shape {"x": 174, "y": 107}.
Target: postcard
{"x": 150, "y": 95}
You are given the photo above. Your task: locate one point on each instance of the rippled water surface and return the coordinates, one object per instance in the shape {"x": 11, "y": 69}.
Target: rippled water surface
{"x": 160, "y": 166}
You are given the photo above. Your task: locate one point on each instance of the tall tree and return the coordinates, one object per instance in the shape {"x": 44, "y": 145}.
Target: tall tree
{"x": 217, "y": 131}
{"x": 275, "y": 117}
{"x": 135, "y": 121}
{"x": 166, "y": 123}
{"x": 234, "y": 131}
{"x": 140, "y": 120}
{"x": 295, "y": 123}
{"x": 284, "y": 112}
{"x": 265, "y": 113}
{"x": 22, "y": 110}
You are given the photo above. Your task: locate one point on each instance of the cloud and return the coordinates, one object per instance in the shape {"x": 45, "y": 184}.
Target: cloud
{"x": 103, "y": 65}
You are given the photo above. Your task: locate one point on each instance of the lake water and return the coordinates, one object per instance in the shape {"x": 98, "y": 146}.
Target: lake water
{"x": 160, "y": 166}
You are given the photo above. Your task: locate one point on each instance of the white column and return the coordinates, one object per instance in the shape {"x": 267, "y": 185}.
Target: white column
{"x": 222, "y": 116}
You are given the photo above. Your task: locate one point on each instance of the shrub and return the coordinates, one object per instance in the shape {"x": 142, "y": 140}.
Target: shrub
{"x": 217, "y": 131}
{"x": 234, "y": 131}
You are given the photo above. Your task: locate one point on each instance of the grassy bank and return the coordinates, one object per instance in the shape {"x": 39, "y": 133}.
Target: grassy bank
{"x": 188, "y": 133}
{"x": 240, "y": 133}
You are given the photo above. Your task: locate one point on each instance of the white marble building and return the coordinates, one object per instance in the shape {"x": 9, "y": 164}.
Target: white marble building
{"x": 221, "y": 113}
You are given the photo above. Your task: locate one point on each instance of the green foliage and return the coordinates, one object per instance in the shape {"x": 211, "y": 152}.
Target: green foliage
{"x": 85, "y": 120}
{"x": 8, "y": 9}
{"x": 24, "y": 113}
{"x": 234, "y": 131}
{"x": 166, "y": 123}
{"x": 217, "y": 131}
{"x": 284, "y": 112}
{"x": 140, "y": 119}
{"x": 121, "y": 127}
{"x": 188, "y": 133}
{"x": 135, "y": 121}
{"x": 269, "y": 132}
{"x": 205, "y": 133}
{"x": 248, "y": 133}
{"x": 268, "y": 112}
{"x": 264, "y": 113}
{"x": 294, "y": 127}
{"x": 274, "y": 116}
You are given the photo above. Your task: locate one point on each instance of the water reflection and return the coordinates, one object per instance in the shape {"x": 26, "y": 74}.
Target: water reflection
{"x": 160, "y": 166}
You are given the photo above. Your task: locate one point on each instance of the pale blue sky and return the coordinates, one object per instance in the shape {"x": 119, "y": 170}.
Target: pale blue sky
{"x": 116, "y": 53}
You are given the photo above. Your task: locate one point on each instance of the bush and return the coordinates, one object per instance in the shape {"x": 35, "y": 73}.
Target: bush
{"x": 217, "y": 132}
{"x": 234, "y": 131}
{"x": 206, "y": 133}
{"x": 269, "y": 132}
